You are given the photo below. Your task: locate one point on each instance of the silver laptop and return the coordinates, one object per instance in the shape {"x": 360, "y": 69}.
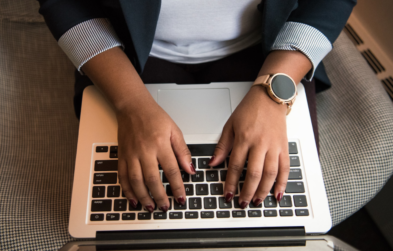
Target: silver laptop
{"x": 100, "y": 210}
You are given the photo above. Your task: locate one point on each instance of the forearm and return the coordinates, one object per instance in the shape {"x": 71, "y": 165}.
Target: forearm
{"x": 293, "y": 63}
{"x": 113, "y": 73}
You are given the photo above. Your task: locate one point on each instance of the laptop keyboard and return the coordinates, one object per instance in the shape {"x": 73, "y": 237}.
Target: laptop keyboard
{"x": 204, "y": 190}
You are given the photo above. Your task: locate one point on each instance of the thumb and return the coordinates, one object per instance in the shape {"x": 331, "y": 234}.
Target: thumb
{"x": 182, "y": 152}
{"x": 223, "y": 146}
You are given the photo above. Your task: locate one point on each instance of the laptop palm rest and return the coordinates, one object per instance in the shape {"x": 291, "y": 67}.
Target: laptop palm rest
{"x": 197, "y": 111}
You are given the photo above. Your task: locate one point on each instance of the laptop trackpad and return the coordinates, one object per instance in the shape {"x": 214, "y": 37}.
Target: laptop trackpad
{"x": 197, "y": 111}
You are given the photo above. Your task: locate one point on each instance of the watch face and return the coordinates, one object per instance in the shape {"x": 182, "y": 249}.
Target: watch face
{"x": 283, "y": 87}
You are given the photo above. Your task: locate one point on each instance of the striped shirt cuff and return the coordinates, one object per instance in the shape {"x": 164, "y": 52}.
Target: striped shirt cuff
{"x": 88, "y": 39}
{"x": 306, "y": 39}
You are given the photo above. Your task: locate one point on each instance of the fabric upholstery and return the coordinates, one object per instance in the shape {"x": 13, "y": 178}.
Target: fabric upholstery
{"x": 38, "y": 132}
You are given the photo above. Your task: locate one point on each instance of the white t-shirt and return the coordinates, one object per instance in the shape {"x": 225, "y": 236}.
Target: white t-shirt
{"x": 198, "y": 31}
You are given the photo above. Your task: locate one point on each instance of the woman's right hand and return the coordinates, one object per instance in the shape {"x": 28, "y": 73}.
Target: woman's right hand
{"x": 147, "y": 136}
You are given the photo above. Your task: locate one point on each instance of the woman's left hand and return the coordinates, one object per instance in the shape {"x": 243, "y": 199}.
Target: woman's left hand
{"x": 255, "y": 131}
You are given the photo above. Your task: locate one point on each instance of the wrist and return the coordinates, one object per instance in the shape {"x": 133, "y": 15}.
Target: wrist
{"x": 259, "y": 93}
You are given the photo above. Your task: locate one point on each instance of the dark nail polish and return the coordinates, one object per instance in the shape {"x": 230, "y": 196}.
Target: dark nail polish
{"x": 228, "y": 197}
{"x": 257, "y": 202}
{"x": 164, "y": 208}
{"x": 133, "y": 203}
{"x": 192, "y": 167}
{"x": 279, "y": 197}
{"x": 181, "y": 201}
{"x": 243, "y": 205}
{"x": 150, "y": 209}
{"x": 211, "y": 159}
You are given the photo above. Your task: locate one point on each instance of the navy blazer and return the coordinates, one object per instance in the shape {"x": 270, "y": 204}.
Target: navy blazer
{"x": 140, "y": 18}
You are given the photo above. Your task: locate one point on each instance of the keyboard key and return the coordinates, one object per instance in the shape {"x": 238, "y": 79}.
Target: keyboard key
{"x": 272, "y": 189}
{"x": 101, "y": 149}
{"x": 294, "y": 161}
{"x": 292, "y": 148}
{"x": 223, "y": 204}
{"x": 270, "y": 201}
{"x": 128, "y": 216}
{"x": 169, "y": 190}
{"x": 222, "y": 165}
{"x": 98, "y": 192}
{"x": 105, "y": 178}
{"x": 223, "y": 174}
{"x": 211, "y": 175}
{"x": 138, "y": 207}
{"x": 202, "y": 189}
{"x": 164, "y": 179}
{"x": 96, "y": 217}
{"x": 207, "y": 214}
{"x": 170, "y": 203}
{"x": 241, "y": 186}
{"x": 295, "y": 187}
{"x": 159, "y": 216}
{"x": 295, "y": 174}
{"x": 101, "y": 205}
{"x": 216, "y": 189}
{"x": 286, "y": 201}
{"x": 113, "y": 149}
{"x": 203, "y": 163}
{"x": 120, "y": 205}
{"x": 185, "y": 176}
{"x": 111, "y": 217}
{"x": 198, "y": 177}
{"x": 223, "y": 214}
{"x": 243, "y": 175}
{"x": 144, "y": 216}
{"x": 286, "y": 212}
{"x": 238, "y": 214}
{"x": 236, "y": 202}
{"x": 195, "y": 203}
{"x": 300, "y": 200}
{"x": 301, "y": 212}
{"x": 178, "y": 206}
{"x": 191, "y": 215}
{"x": 189, "y": 188}
{"x": 253, "y": 206}
{"x": 270, "y": 213}
{"x": 113, "y": 191}
{"x": 175, "y": 215}
{"x": 210, "y": 203}
{"x": 112, "y": 155}
{"x": 254, "y": 213}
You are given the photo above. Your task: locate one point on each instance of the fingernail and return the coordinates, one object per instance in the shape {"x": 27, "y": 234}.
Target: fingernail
{"x": 243, "y": 205}
{"x": 257, "y": 202}
{"x": 133, "y": 203}
{"x": 279, "y": 197}
{"x": 228, "y": 197}
{"x": 181, "y": 201}
{"x": 211, "y": 159}
{"x": 150, "y": 209}
{"x": 164, "y": 208}
{"x": 192, "y": 167}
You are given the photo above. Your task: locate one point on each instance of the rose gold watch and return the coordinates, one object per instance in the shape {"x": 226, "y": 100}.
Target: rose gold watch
{"x": 280, "y": 87}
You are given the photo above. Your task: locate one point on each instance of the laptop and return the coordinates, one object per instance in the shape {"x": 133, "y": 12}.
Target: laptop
{"x": 100, "y": 210}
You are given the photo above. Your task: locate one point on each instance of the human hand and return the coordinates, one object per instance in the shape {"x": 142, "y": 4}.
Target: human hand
{"x": 256, "y": 130}
{"x": 148, "y": 136}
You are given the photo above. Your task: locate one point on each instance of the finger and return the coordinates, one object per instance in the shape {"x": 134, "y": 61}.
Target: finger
{"x": 269, "y": 174}
{"x": 256, "y": 158}
{"x": 235, "y": 168}
{"x": 152, "y": 180}
{"x": 171, "y": 169}
{"x": 124, "y": 183}
{"x": 282, "y": 177}
{"x": 182, "y": 152}
{"x": 223, "y": 146}
{"x": 135, "y": 177}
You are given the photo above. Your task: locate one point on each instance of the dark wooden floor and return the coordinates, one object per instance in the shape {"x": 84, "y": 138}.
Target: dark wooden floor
{"x": 360, "y": 231}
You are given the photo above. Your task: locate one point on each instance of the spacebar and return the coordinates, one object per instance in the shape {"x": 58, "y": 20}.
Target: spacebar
{"x": 201, "y": 149}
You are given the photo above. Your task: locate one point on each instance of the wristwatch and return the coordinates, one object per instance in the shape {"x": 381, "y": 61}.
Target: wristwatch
{"x": 280, "y": 87}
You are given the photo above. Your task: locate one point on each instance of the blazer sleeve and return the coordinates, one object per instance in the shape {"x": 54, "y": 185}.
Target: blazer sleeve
{"x": 327, "y": 16}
